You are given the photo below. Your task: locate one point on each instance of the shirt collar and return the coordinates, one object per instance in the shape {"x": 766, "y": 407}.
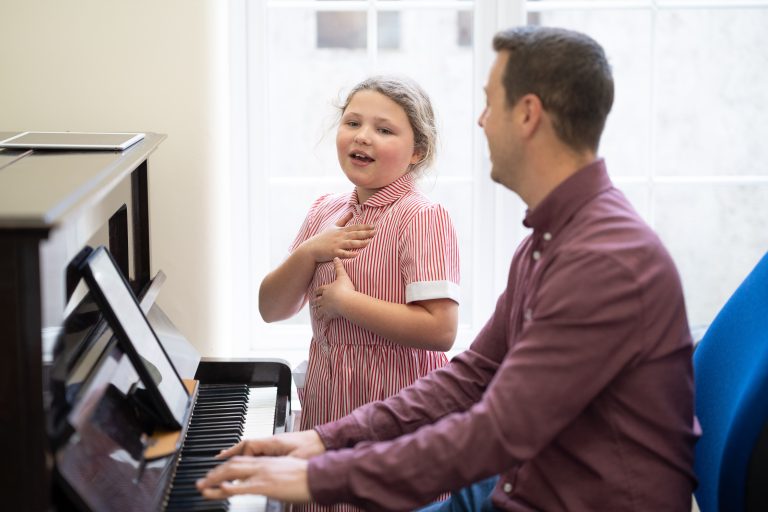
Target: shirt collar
{"x": 568, "y": 197}
{"x": 389, "y": 194}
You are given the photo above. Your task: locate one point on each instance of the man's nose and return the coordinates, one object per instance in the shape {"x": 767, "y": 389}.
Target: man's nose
{"x": 481, "y": 119}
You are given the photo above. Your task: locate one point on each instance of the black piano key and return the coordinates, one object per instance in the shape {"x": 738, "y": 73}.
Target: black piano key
{"x": 214, "y": 435}
{"x": 236, "y": 426}
{"x": 220, "y": 417}
{"x": 193, "y": 462}
{"x": 216, "y": 423}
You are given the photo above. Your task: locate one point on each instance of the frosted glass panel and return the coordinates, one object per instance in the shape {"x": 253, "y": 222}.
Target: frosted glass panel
{"x": 716, "y": 233}
{"x": 712, "y": 92}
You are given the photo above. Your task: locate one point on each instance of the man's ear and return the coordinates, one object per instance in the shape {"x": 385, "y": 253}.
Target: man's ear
{"x": 531, "y": 111}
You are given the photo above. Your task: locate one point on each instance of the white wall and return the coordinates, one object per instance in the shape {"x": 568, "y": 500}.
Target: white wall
{"x": 108, "y": 65}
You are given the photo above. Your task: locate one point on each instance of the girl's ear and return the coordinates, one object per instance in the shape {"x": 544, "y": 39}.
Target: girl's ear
{"x": 417, "y": 156}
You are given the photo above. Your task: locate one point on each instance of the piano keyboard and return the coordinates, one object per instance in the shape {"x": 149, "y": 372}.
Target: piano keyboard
{"x": 223, "y": 415}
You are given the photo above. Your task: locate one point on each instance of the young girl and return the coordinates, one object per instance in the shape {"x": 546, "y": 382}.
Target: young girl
{"x": 379, "y": 266}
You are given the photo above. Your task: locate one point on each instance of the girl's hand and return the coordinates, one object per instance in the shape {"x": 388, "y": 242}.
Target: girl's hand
{"x": 329, "y": 299}
{"x": 339, "y": 241}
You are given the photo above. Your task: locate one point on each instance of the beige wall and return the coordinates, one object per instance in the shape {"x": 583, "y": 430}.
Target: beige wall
{"x": 108, "y": 65}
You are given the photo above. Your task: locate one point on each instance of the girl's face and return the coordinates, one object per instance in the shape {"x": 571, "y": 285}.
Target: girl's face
{"x": 374, "y": 142}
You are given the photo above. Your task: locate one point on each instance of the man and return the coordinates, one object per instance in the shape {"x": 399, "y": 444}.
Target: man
{"x": 578, "y": 391}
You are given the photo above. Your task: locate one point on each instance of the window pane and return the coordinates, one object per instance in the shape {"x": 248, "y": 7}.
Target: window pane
{"x": 464, "y": 28}
{"x": 429, "y": 53}
{"x": 388, "y": 23}
{"x": 304, "y": 85}
{"x": 341, "y": 29}
{"x": 710, "y": 231}
{"x": 711, "y": 92}
{"x": 626, "y": 37}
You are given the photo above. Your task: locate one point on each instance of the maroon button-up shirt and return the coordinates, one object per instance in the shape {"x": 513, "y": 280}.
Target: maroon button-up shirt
{"x": 578, "y": 391}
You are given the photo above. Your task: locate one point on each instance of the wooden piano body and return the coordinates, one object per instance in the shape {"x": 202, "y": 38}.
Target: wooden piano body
{"x": 51, "y": 205}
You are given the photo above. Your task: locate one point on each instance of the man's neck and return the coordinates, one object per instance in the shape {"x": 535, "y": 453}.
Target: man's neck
{"x": 550, "y": 171}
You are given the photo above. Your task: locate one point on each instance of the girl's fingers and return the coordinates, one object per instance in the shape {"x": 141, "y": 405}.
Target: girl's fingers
{"x": 342, "y": 221}
{"x": 363, "y": 228}
{"x": 356, "y": 244}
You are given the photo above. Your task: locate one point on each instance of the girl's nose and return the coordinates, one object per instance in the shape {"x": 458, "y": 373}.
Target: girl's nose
{"x": 361, "y": 137}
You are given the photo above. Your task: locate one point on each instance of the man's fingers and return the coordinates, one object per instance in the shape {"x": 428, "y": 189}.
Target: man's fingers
{"x": 237, "y": 468}
{"x": 237, "y": 449}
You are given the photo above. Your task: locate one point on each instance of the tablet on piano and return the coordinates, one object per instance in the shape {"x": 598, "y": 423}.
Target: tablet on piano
{"x": 72, "y": 140}
{"x": 166, "y": 394}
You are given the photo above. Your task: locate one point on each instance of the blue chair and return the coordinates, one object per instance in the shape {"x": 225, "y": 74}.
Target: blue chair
{"x": 731, "y": 376}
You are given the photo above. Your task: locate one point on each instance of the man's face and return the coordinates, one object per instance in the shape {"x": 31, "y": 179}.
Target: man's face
{"x": 496, "y": 121}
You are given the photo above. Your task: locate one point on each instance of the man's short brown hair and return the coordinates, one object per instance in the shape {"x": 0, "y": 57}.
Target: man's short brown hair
{"x": 570, "y": 74}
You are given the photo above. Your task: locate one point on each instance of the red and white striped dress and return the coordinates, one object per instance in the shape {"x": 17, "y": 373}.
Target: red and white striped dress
{"x": 413, "y": 256}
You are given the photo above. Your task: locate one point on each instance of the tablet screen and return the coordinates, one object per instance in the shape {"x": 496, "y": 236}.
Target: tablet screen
{"x": 136, "y": 337}
{"x": 72, "y": 140}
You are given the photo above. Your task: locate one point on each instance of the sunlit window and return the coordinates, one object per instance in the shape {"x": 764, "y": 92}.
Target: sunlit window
{"x": 684, "y": 139}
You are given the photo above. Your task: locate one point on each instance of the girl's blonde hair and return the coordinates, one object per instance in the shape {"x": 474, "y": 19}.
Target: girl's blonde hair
{"x": 417, "y": 106}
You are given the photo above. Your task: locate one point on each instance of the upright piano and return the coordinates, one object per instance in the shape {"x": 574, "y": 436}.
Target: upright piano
{"x": 52, "y": 204}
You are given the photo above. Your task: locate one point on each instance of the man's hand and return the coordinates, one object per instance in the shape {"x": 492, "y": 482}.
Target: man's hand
{"x": 281, "y": 478}
{"x": 304, "y": 445}
{"x": 339, "y": 241}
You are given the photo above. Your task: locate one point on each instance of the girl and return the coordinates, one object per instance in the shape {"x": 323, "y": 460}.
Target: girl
{"x": 379, "y": 266}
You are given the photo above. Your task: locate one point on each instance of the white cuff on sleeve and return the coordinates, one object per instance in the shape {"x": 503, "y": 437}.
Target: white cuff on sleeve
{"x": 427, "y": 290}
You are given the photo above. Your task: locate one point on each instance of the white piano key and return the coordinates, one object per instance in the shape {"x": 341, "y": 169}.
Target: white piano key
{"x": 247, "y": 503}
{"x": 259, "y": 422}
{"x": 260, "y": 418}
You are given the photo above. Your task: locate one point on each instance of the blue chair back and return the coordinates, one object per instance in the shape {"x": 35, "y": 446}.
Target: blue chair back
{"x": 731, "y": 378}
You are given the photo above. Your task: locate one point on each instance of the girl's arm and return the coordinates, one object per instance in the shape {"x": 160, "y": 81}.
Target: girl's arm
{"x": 281, "y": 294}
{"x": 428, "y": 324}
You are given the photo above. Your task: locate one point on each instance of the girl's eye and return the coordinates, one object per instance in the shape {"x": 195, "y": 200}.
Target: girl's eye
{"x": 385, "y": 131}
{"x": 353, "y": 124}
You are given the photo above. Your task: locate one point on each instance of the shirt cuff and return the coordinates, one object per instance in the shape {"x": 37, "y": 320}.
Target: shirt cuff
{"x": 327, "y": 477}
{"x": 341, "y": 433}
{"x": 428, "y": 290}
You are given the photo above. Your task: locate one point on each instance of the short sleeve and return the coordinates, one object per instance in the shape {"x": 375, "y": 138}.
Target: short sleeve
{"x": 309, "y": 227}
{"x": 429, "y": 256}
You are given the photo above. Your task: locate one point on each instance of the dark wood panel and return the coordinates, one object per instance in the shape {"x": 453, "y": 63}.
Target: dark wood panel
{"x": 25, "y": 476}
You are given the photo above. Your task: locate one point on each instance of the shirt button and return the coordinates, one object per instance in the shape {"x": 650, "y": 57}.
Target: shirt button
{"x": 507, "y": 487}
{"x": 528, "y": 314}
{"x": 536, "y": 255}
{"x": 547, "y": 236}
